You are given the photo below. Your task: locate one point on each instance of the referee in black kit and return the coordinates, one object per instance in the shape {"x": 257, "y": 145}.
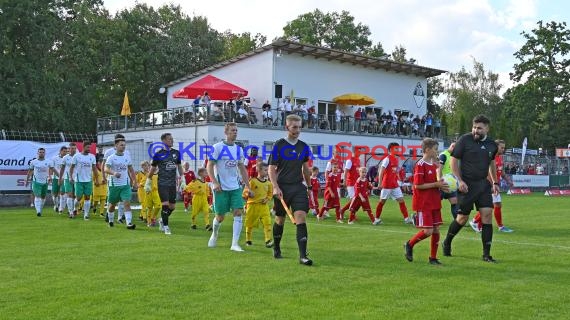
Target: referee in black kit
{"x": 472, "y": 161}
{"x": 287, "y": 168}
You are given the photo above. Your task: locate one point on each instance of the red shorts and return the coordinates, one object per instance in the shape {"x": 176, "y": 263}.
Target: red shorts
{"x": 357, "y": 203}
{"x": 428, "y": 218}
{"x": 331, "y": 202}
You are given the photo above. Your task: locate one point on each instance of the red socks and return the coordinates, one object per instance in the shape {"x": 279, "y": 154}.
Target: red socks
{"x": 417, "y": 238}
{"x": 434, "y": 245}
{"x": 379, "y": 209}
{"x": 498, "y": 216}
{"x": 404, "y": 210}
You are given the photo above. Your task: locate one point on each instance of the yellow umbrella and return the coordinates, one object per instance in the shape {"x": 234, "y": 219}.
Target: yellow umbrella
{"x": 126, "y": 111}
{"x": 354, "y": 99}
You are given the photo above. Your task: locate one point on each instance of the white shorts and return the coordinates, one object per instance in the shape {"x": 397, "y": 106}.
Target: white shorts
{"x": 395, "y": 193}
{"x": 350, "y": 192}
{"x": 497, "y": 198}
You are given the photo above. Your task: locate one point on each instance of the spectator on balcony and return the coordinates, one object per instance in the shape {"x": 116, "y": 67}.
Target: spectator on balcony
{"x": 429, "y": 125}
{"x": 372, "y": 122}
{"x": 288, "y": 108}
{"x": 357, "y": 117}
{"x": 304, "y": 114}
{"x": 281, "y": 112}
{"x": 565, "y": 170}
{"x": 266, "y": 113}
{"x": 338, "y": 119}
{"x": 312, "y": 116}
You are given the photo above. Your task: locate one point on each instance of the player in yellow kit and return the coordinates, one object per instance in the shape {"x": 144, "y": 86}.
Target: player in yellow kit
{"x": 200, "y": 193}
{"x": 141, "y": 179}
{"x": 99, "y": 191}
{"x": 152, "y": 205}
{"x": 258, "y": 196}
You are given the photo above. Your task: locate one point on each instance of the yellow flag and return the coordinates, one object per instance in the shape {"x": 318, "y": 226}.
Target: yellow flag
{"x": 126, "y": 111}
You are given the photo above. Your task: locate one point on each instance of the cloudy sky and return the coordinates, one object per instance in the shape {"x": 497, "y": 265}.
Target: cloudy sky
{"x": 443, "y": 34}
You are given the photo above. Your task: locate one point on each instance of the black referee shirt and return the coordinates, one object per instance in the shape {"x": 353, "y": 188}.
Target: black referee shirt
{"x": 475, "y": 156}
{"x": 289, "y": 160}
{"x": 167, "y": 162}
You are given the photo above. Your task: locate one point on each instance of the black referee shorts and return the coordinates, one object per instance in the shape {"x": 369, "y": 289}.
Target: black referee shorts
{"x": 295, "y": 196}
{"x": 479, "y": 194}
{"x": 167, "y": 193}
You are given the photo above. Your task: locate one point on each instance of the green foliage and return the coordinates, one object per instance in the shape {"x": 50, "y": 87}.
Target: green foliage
{"x": 64, "y": 60}
{"x": 331, "y": 30}
{"x": 470, "y": 93}
{"x": 57, "y": 268}
{"x": 236, "y": 44}
{"x": 545, "y": 95}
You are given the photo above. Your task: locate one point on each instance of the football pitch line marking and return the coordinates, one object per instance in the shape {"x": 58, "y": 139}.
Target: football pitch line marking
{"x": 382, "y": 229}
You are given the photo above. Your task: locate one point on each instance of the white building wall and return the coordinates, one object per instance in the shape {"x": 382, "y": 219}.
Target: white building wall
{"x": 320, "y": 79}
{"x": 253, "y": 74}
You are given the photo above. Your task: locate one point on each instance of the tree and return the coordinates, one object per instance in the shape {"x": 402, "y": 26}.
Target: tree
{"x": 543, "y": 61}
{"x": 470, "y": 93}
{"x": 330, "y": 30}
{"x": 236, "y": 44}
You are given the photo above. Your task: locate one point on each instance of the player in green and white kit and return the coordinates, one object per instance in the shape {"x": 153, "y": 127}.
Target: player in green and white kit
{"x": 40, "y": 172}
{"x": 121, "y": 177}
{"x": 64, "y": 176}
{"x": 106, "y": 155}
{"x": 57, "y": 194}
{"x": 83, "y": 178}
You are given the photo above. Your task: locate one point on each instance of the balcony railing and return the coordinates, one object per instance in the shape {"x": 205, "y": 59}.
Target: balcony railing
{"x": 257, "y": 117}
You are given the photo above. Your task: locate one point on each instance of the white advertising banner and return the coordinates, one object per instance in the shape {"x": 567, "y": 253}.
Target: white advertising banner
{"x": 16, "y": 155}
{"x": 14, "y": 180}
{"x": 520, "y": 180}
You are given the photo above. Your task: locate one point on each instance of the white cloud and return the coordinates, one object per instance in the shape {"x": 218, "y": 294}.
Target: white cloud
{"x": 438, "y": 34}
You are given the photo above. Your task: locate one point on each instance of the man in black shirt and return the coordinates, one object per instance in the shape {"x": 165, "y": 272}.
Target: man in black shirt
{"x": 287, "y": 168}
{"x": 166, "y": 161}
{"x": 472, "y": 161}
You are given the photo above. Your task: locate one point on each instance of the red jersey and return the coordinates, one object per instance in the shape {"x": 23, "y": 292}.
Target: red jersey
{"x": 310, "y": 163}
{"x": 251, "y": 167}
{"x": 402, "y": 174}
{"x": 352, "y": 174}
{"x": 338, "y": 162}
{"x": 362, "y": 188}
{"x": 425, "y": 199}
{"x": 189, "y": 176}
{"x": 333, "y": 182}
{"x": 315, "y": 185}
{"x": 390, "y": 176}
{"x": 499, "y": 165}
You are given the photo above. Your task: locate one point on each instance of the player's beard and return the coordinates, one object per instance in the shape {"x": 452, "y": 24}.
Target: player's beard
{"x": 478, "y": 137}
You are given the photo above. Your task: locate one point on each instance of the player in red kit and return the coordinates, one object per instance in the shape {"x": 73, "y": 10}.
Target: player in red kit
{"x": 351, "y": 174}
{"x": 314, "y": 191}
{"x": 388, "y": 175}
{"x": 362, "y": 189}
{"x": 476, "y": 223}
{"x": 426, "y": 201}
{"x": 189, "y": 176}
{"x": 331, "y": 194}
{"x": 251, "y": 162}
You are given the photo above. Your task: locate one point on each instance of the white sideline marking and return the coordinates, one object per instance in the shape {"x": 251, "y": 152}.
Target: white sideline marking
{"x": 382, "y": 229}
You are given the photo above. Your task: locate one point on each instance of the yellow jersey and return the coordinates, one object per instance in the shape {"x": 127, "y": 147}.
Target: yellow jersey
{"x": 262, "y": 189}
{"x": 198, "y": 188}
{"x": 141, "y": 179}
{"x": 100, "y": 190}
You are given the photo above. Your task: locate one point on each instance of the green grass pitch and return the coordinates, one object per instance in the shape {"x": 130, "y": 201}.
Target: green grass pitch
{"x": 56, "y": 268}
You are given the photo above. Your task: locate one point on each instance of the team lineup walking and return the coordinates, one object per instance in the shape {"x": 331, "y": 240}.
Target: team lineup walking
{"x": 287, "y": 186}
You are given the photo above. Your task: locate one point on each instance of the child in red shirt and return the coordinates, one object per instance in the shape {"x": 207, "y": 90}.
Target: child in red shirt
{"x": 314, "y": 191}
{"x": 362, "y": 189}
{"x": 426, "y": 201}
{"x": 331, "y": 194}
